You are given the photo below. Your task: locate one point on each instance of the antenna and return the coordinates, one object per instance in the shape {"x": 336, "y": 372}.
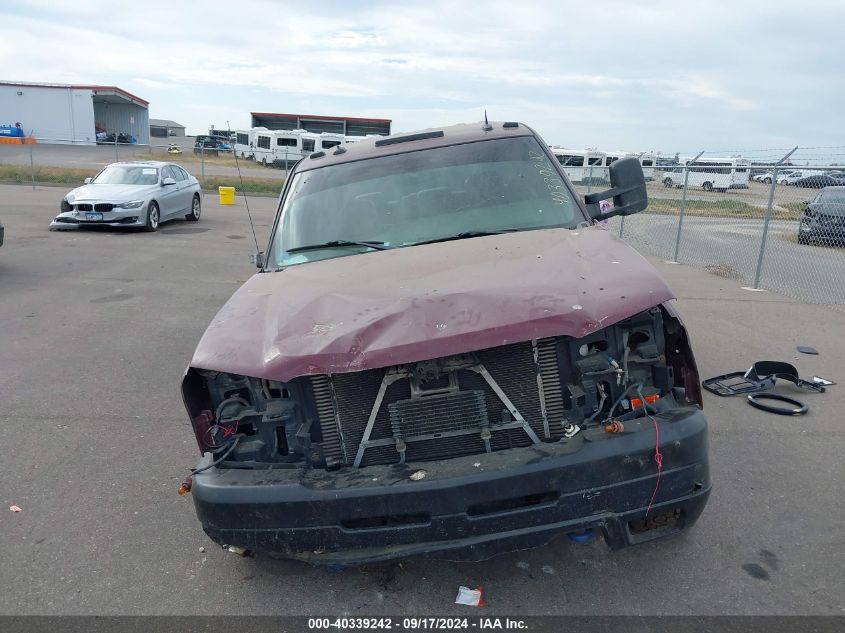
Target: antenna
{"x": 487, "y": 125}
{"x": 243, "y": 191}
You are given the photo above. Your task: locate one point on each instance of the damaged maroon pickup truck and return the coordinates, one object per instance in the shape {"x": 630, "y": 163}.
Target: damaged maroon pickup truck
{"x": 445, "y": 355}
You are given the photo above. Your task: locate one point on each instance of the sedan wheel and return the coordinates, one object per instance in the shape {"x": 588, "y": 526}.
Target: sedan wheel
{"x": 153, "y": 218}
{"x": 196, "y": 209}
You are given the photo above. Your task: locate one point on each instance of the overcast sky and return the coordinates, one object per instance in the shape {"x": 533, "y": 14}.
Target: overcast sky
{"x": 658, "y": 75}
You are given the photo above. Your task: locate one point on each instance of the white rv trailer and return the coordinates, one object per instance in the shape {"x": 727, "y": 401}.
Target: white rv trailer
{"x": 710, "y": 173}
{"x": 355, "y": 139}
{"x": 329, "y": 140}
{"x": 292, "y": 145}
{"x": 582, "y": 166}
{"x": 262, "y": 146}
{"x": 287, "y": 148}
{"x": 647, "y": 161}
{"x": 245, "y": 142}
{"x": 310, "y": 141}
{"x": 611, "y": 156}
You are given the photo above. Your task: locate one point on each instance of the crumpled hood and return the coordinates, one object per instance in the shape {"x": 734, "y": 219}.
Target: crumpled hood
{"x": 110, "y": 193}
{"x": 399, "y": 306}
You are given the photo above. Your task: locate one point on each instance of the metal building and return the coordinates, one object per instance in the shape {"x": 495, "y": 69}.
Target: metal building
{"x": 160, "y": 128}
{"x": 67, "y": 113}
{"x": 348, "y": 126}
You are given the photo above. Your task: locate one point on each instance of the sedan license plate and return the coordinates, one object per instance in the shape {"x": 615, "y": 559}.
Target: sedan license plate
{"x": 95, "y": 217}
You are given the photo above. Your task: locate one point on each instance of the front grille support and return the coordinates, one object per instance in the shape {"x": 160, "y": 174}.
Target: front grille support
{"x": 395, "y": 374}
{"x": 507, "y": 402}
{"x": 540, "y": 388}
{"x": 392, "y": 375}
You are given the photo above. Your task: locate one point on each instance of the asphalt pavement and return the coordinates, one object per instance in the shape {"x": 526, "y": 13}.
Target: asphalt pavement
{"x": 731, "y": 247}
{"x": 98, "y": 326}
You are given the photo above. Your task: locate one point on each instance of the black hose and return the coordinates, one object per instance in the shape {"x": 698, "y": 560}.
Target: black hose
{"x": 621, "y": 397}
{"x": 225, "y": 454}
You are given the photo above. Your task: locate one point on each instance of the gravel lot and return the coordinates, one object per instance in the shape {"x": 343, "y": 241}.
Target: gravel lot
{"x": 98, "y": 327}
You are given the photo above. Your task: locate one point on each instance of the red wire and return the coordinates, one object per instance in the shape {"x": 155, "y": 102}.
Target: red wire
{"x": 658, "y": 458}
{"x": 227, "y": 432}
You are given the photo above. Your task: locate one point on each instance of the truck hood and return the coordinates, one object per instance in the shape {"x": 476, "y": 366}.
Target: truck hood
{"x": 409, "y": 304}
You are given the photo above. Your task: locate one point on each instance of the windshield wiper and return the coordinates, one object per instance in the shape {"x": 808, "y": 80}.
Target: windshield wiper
{"x": 379, "y": 246}
{"x": 463, "y": 235}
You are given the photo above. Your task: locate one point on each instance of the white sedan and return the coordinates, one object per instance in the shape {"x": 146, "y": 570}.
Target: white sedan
{"x": 136, "y": 194}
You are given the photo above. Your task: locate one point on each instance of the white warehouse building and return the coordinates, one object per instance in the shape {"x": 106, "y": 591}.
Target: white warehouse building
{"x": 73, "y": 114}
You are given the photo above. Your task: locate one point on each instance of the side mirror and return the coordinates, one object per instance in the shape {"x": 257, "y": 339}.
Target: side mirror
{"x": 257, "y": 259}
{"x": 167, "y": 181}
{"x": 87, "y": 181}
{"x": 627, "y": 190}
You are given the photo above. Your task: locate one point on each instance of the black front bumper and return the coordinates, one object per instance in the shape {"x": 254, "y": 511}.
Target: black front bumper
{"x": 468, "y": 508}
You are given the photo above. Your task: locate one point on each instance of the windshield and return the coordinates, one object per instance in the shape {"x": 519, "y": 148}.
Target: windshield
{"x": 836, "y": 199}
{"x": 127, "y": 175}
{"x": 403, "y": 199}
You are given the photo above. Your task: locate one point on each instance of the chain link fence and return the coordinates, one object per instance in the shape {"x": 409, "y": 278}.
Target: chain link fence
{"x": 768, "y": 222}
{"x": 762, "y": 218}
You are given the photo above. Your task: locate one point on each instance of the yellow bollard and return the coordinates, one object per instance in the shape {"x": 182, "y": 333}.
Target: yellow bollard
{"x": 227, "y": 195}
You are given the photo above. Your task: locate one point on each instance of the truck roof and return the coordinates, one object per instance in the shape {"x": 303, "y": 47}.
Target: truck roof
{"x": 413, "y": 141}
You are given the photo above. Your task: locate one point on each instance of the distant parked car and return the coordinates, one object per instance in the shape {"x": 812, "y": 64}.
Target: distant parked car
{"x": 833, "y": 179}
{"x": 206, "y": 145}
{"x": 765, "y": 177}
{"x": 823, "y": 220}
{"x": 137, "y": 194}
{"x": 789, "y": 177}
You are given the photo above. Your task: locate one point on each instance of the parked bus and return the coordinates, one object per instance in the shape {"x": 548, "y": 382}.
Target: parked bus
{"x": 710, "y": 173}
{"x": 582, "y": 166}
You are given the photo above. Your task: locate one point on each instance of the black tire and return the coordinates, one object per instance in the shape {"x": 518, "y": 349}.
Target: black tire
{"x": 153, "y": 218}
{"x": 667, "y": 182}
{"x": 707, "y": 186}
{"x": 196, "y": 209}
{"x": 767, "y": 180}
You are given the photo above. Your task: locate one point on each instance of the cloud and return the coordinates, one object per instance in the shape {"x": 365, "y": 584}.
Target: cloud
{"x": 591, "y": 67}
